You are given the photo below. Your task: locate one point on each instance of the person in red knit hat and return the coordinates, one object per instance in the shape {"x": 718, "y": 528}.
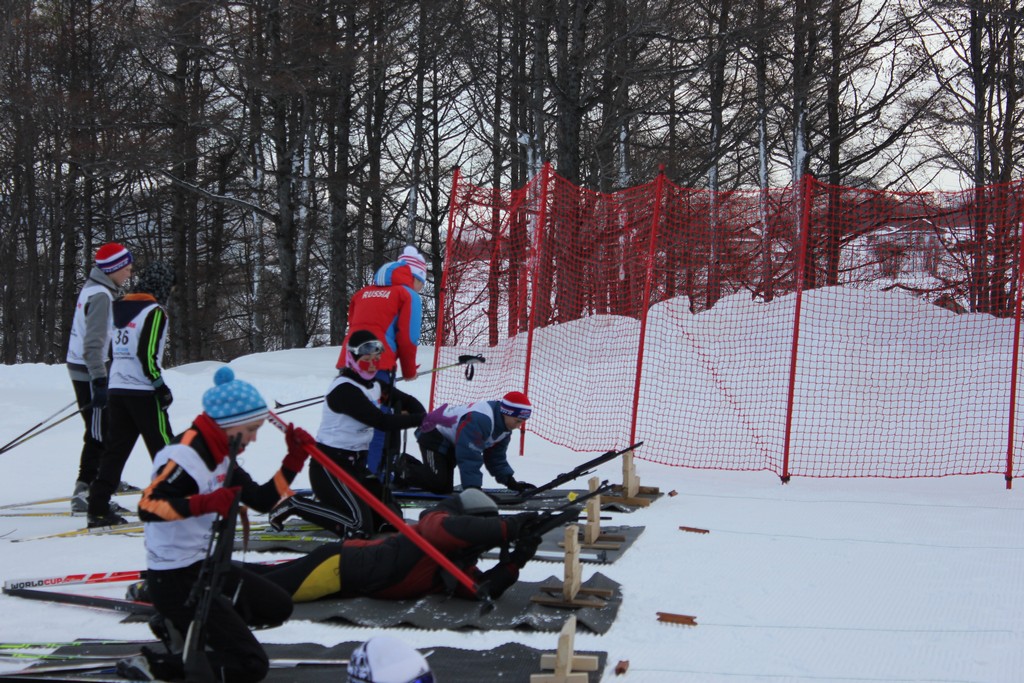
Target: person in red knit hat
{"x": 88, "y": 358}
{"x": 479, "y": 438}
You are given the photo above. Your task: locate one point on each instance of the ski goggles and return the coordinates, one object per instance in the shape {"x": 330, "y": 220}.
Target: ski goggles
{"x": 369, "y": 348}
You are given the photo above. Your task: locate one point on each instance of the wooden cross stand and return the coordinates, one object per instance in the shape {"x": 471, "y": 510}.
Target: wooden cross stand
{"x": 593, "y": 538}
{"x": 571, "y": 588}
{"x": 631, "y": 489}
{"x": 567, "y": 666}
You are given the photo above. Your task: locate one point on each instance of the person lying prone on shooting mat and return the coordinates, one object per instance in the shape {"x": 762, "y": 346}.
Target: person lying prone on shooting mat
{"x": 462, "y": 527}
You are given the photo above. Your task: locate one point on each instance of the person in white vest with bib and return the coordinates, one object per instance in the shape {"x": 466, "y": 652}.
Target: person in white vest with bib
{"x": 138, "y": 396}
{"x": 351, "y": 414}
{"x": 89, "y": 355}
{"x": 478, "y": 438}
{"x": 179, "y": 509}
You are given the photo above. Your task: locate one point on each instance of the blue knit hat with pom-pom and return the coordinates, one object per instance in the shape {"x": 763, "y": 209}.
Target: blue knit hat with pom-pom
{"x": 233, "y": 402}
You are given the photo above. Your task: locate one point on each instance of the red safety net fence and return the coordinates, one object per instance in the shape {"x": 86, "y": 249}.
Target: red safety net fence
{"x": 813, "y": 331}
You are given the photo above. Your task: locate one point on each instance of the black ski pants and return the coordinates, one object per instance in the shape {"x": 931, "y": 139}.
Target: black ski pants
{"x": 247, "y": 599}
{"x": 437, "y": 471}
{"x": 129, "y": 416}
{"x": 353, "y": 515}
{"x": 95, "y": 427}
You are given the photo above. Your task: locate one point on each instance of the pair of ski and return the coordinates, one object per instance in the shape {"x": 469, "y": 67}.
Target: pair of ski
{"x": 129, "y": 529}
{"x": 94, "y": 601}
{"x": 124, "y": 489}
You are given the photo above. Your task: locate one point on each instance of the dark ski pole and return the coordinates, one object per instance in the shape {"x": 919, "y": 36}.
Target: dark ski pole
{"x": 287, "y": 404}
{"x": 299, "y": 405}
{"x": 34, "y": 427}
{"x": 387, "y": 463}
{"x": 466, "y": 359}
{"x": 32, "y": 434}
{"x": 211, "y": 580}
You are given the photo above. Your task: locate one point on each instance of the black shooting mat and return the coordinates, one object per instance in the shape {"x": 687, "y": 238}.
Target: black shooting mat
{"x": 513, "y": 610}
{"x": 508, "y": 663}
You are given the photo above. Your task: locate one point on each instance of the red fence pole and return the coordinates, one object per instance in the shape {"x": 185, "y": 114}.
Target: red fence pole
{"x": 658, "y": 193}
{"x": 1015, "y": 356}
{"x": 535, "y": 255}
{"x": 439, "y": 324}
{"x": 804, "y": 226}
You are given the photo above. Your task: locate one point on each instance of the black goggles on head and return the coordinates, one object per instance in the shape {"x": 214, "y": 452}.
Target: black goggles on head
{"x": 368, "y": 348}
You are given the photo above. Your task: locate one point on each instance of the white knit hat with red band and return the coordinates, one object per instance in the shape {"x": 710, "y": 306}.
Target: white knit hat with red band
{"x": 417, "y": 264}
{"x": 515, "y": 404}
{"x": 112, "y": 257}
{"x": 386, "y": 659}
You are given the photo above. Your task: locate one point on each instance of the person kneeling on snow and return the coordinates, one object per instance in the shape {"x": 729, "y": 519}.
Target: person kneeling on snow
{"x": 351, "y": 414}
{"x": 180, "y": 507}
{"x": 478, "y": 438}
{"x": 462, "y": 527}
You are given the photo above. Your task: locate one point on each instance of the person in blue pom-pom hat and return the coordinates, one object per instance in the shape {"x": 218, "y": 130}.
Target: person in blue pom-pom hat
{"x": 179, "y": 508}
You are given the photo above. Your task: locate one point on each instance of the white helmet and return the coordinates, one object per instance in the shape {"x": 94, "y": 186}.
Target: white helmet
{"x": 384, "y": 659}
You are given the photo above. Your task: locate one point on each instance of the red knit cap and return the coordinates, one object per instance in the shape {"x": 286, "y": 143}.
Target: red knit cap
{"x": 112, "y": 257}
{"x": 516, "y": 404}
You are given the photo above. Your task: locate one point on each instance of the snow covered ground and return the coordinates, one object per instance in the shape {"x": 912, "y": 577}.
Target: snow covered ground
{"x": 817, "y": 580}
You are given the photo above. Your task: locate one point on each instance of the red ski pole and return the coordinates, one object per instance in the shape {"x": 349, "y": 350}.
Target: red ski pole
{"x": 384, "y": 511}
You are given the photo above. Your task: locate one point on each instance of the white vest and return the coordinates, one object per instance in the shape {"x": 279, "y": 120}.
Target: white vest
{"x": 339, "y": 430}
{"x": 76, "y": 354}
{"x": 172, "y": 545}
{"x": 126, "y": 369}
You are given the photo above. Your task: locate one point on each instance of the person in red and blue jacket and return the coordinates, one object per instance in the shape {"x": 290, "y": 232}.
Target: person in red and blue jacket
{"x": 392, "y": 310}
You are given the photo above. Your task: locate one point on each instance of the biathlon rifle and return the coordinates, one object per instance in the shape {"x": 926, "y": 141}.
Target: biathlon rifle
{"x": 580, "y": 470}
{"x": 567, "y": 512}
{"x": 211, "y": 580}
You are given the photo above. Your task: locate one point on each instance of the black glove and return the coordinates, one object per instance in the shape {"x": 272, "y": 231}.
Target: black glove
{"x": 515, "y": 525}
{"x": 524, "y": 551}
{"x": 99, "y": 393}
{"x": 164, "y": 396}
{"x": 518, "y": 486}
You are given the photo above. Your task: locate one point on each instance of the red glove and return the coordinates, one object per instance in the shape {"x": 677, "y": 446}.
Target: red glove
{"x": 297, "y": 439}
{"x": 218, "y": 501}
